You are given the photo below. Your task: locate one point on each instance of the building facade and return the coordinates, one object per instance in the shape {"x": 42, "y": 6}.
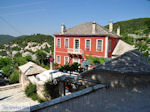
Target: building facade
{"x": 76, "y": 43}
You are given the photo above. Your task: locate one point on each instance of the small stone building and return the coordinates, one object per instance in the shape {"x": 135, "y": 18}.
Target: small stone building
{"x": 127, "y": 70}
{"x": 28, "y": 72}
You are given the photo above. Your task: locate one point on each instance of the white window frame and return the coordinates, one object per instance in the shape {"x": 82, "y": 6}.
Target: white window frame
{"x": 65, "y": 60}
{"x": 65, "y": 43}
{"x": 57, "y": 59}
{"x": 74, "y": 42}
{"x": 57, "y": 43}
{"x": 90, "y": 44}
{"x": 109, "y": 45}
{"x": 97, "y": 45}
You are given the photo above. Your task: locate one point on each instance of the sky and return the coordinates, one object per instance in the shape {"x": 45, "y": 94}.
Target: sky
{"x": 26, "y": 17}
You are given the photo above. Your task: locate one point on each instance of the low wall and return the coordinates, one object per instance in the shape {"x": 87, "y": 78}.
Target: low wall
{"x": 60, "y": 100}
{"x": 10, "y": 86}
{"x": 100, "y": 99}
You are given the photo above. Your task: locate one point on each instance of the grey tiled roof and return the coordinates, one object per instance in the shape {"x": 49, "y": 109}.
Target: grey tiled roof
{"x": 130, "y": 62}
{"x": 86, "y": 29}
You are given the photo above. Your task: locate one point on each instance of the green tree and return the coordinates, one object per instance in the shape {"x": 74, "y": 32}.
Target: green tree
{"x": 18, "y": 54}
{"x": 28, "y": 58}
{"x": 7, "y": 70}
{"x": 41, "y": 56}
{"x": 4, "y": 62}
{"x": 14, "y": 78}
{"x": 143, "y": 46}
{"x": 20, "y": 61}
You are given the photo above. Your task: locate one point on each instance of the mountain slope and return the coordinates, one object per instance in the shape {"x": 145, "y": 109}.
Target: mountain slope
{"x": 28, "y": 45}
{"x": 133, "y": 26}
{"x": 6, "y": 38}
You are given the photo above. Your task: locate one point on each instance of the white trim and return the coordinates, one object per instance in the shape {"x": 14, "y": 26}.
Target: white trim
{"x": 64, "y": 59}
{"x": 60, "y": 59}
{"x": 97, "y": 44}
{"x": 57, "y": 42}
{"x": 65, "y": 42}
{"x": 106, "y": 47}
{"x": 74, "y": 42}
{"x": 90, "y": 44}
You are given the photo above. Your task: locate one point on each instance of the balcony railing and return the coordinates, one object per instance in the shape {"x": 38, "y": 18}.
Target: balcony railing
{"x": 75, "y": 51}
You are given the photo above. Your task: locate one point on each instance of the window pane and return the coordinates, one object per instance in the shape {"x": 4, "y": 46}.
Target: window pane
{"x": 58, "y": 59}
{"x": 66, "y": 43}
{"x": 99, "y": 45}
{"x": 58, "y": 43}
{"x": 66, "y": 60}
{"x": 88, "y": 44}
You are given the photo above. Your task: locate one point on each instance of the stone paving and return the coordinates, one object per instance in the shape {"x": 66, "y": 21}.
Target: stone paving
{"x": 15, "y": 96}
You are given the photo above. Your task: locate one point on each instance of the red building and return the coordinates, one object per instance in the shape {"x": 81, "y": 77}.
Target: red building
{"x": 74, "y": 44}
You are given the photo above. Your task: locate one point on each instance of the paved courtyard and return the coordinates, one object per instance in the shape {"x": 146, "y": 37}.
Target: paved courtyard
{"x": 15, "y": 97}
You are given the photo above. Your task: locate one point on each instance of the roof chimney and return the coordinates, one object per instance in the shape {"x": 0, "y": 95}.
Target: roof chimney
{"x": 94, "y": 27}
{"x": 110, "y": 26}
{"x": 63, "y": 28}
{"x": 118, "y": 31}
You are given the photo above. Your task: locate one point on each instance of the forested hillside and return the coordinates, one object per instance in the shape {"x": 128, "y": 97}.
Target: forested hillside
{"x": 6, "y": 38}
{"x": 27, "y": 44}
{"x": 134, "y": 26}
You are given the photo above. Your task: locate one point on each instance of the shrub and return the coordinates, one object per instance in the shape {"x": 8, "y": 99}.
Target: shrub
{"x": 18, "y": 54}
{"x": 3, "y": 53}
{"x": 30, "y": 91}
{"x": 14, "y": 78}
{"x": 20, "y": 61}
{"x": 7, "y": 70}
{"x": 16, "y": 48}
{"x": 51, "y": 90}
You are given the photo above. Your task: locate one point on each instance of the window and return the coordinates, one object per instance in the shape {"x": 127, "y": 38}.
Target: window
{"x": 76, "y": 43}
{"x": 58, "y": 59}
{"x": 88, "y": 45}
{"x": 99, "y": 45}
{"x": 58, "y": 43}
{"x": 66, "y": 43}
{"x": 109, "y": 45}
{"x": 66, "y": 60}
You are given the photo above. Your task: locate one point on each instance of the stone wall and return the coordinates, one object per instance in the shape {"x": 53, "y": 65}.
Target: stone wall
{"x": 3, "y": 88}
{"x": 115, "y": 79}
{"x": 100, "y": 99}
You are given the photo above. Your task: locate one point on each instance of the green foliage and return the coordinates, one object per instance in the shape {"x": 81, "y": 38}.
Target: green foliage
{"x": 29, "y": 58}
{"x": 7, "y": 70}
{"x": 133, "y": 26}
{"x": 142, "y": 44}
{"x": 51, "y": 90}
{"x": 5, "y": 62}
{"x": 16, "y": 48}
{"x": 30, "y": 91}
{"x": 3, "y": 53}
{"x": 74, "y": 66}
{"x": 5, "y": 38}
{"x": 67, "y": 67}
{"x": 96, "y": 60}
{"x": 39, "y": 38}
{"x": 14, "y": 78}
{"x": 20, "y": 61}
{"x": 18, "y": 54}
{"x": 41, "y": 56}
{"x": 129, "y": 40}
